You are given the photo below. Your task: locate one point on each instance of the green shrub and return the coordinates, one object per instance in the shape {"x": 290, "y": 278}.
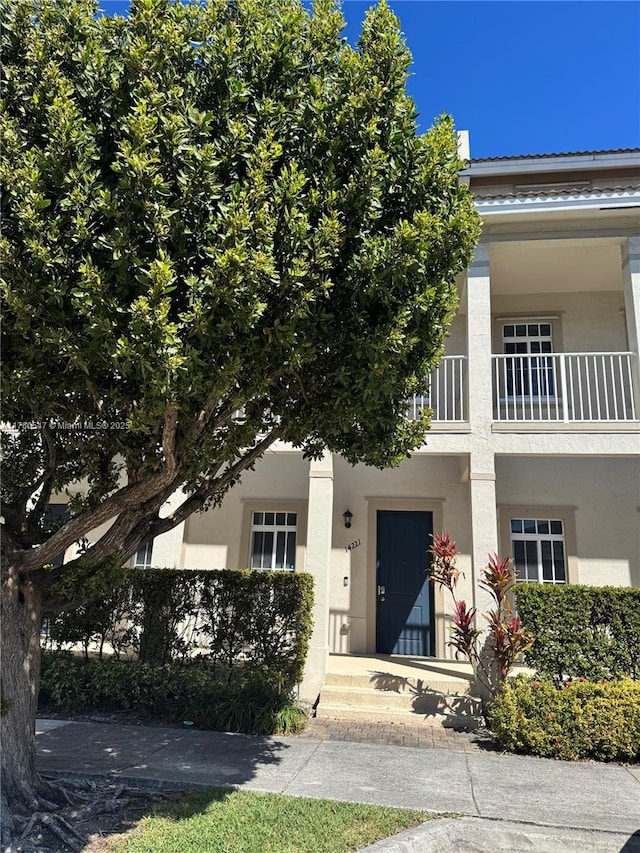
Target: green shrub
{"x": 253, "y": 709}
{"x": 171, "y": 693}
{"x": 580, "y": 719}
{"x": 242, "y": 621}
{"x": 581, "y": 631}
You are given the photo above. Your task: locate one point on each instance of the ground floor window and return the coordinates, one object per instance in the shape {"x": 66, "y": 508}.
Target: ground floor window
{"x": 538, "y": 549}
{"x": 144, "y": 556}
{"x": 273, "y": 540}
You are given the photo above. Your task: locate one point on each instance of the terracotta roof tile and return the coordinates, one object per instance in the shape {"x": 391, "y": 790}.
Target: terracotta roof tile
{"x": 559, "y": 191}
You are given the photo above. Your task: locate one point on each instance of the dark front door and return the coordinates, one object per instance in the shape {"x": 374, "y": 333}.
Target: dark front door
{"x": 405, "y": 596}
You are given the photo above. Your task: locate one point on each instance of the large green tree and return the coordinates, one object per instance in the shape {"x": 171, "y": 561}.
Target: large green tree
{"x": 220, "y": 228}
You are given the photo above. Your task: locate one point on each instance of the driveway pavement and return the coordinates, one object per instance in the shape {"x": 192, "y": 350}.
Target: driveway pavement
{"x": 508, "y": 803}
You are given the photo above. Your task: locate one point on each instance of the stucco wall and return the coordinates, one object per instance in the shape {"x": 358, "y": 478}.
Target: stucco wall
{"x": 435, "y": 481}
{"x": 587, "y": 322}
{"x": 605, "y": 497}
{"x": 456, "y": 342}
{"x": 215, "y": 539}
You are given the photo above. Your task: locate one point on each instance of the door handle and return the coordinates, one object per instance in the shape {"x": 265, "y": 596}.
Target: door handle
{"x": 381, "y": 590}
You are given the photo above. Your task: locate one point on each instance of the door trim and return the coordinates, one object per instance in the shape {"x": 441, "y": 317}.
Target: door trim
{"x": 432, "y": 505}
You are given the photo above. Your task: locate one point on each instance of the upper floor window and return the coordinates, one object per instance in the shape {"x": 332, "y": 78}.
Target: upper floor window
{"x": 530, "y": 372}
{"x": 273, "y": 540}
{"x": 144, "y": 556}
{"x": 538, "y": 549}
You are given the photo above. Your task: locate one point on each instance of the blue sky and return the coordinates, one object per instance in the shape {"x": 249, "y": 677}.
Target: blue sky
{"x": 522, "y": 77}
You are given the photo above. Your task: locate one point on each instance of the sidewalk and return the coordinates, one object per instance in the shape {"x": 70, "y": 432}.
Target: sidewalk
{"x": 523, "y": 803}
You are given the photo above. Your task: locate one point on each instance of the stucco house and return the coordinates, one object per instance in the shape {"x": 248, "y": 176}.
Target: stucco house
{"x": 534, "y": 448}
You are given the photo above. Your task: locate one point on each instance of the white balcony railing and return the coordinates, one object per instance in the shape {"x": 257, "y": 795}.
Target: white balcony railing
{"x": 568, "y": 387}
{"x": 446, "y": 394}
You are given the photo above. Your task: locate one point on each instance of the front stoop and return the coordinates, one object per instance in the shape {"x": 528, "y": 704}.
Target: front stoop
{"x": 416, "y": 691}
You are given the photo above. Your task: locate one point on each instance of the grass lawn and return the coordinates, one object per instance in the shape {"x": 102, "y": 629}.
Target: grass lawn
{"x": 219, "y": 820}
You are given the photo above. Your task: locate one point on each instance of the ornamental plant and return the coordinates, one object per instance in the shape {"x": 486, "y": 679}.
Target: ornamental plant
{"x": 507, "y": 639}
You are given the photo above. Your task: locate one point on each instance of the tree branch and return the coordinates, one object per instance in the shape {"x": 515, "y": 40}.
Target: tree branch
{"x": 16, "y": 512}
{"x": 143, "y": 526}
{"x": 125, "y": 498}
{"x": 46, "y": 480}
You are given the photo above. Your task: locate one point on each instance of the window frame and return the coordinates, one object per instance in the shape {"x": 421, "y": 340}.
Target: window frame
{"x": 144, "y": 564}
{"x": 242, "y": 558}
{"x": 538, "y": 381}
{"x": 539, "y": 538}
{"x": 565, "y": 514}
{"x": 264, "y": 527}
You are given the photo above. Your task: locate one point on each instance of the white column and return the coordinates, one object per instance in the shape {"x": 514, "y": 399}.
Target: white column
{"x": 631, "y": 284}
{"x": 482, "y": 478}
{"x": 479, "y": 370}
{"x": 318, "y": 561}
{"x": 484, "y": 527}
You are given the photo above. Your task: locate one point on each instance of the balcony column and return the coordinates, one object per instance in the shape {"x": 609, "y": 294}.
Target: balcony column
{"x": 482, "y": 477}
{"x": 484, "y": 525}
{"x": 318, "y": 561}
{"x": 631, "y": 284}
{"x": 479, "y": 367}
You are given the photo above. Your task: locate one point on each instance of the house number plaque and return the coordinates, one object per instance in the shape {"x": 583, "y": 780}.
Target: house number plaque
{"x": 355, "y": 544}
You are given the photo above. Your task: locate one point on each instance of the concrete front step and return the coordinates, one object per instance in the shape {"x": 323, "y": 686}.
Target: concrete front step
{"x": 388, "y": 681}
{"x": 352, "y": 713}
{"x": 425, "y": 701}
{"x": 385, "y": 687}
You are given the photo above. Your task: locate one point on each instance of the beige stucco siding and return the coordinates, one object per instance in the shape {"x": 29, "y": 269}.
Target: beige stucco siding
{"x": 219, "y": 538}
{"x": 582, "y": 322}
{"x": 432, "y": 484}
{"x": 602, "y": 494}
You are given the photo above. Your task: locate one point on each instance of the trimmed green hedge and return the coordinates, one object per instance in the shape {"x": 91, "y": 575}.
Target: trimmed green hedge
{"x": 581, "y": 719}
{"x": 581, "y": 631}
{"x": 171, "y": 693}
{"x": 241, "y": 621}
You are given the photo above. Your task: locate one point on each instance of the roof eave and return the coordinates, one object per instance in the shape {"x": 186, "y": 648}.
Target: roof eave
{"x": 628, "y": 199}
{"x": 553, "y": 163}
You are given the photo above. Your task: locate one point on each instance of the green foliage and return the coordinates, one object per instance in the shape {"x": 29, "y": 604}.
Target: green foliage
{"x": 171, "y": 693}
{"x": 165, "y": 604}
{"x": 580, "y": 719}
{"x": 582, "y": 631}
{"x": 210, "y": 208}
{"x": 252, "y": 708}
{"x": 244, "y": 622}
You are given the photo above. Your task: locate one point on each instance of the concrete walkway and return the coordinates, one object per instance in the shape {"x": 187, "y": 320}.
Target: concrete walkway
{"x": 511, "y": 803}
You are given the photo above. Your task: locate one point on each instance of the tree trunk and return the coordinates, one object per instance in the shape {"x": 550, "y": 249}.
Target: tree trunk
{"x": 20, "y": 618}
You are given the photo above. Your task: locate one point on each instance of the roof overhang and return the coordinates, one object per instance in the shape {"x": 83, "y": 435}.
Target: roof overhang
{"x": 553, "y": 163}
{"x": 591, "y": 200}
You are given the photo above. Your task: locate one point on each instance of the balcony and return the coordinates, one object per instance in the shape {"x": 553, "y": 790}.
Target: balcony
{"x": 446, "y": 395}
{"x": 564, "y": 387}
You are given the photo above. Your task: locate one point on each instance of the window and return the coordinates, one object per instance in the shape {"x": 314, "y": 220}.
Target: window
{"x": 143, "y": 557}
{"x": 538, "y": 549}
{"x": 529, "y": 373}
{"x": 273, "y": 540}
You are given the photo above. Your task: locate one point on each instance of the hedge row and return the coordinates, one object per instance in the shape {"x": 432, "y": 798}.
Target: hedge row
{"x": 239, "y": 620}
{"x": 581, "y": 719}
{"x": 581, "y": 631}
{"x": 170, "y": 693}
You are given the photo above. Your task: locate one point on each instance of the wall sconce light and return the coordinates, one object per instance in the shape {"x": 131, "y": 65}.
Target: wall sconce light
{"x": 347, "y": 515}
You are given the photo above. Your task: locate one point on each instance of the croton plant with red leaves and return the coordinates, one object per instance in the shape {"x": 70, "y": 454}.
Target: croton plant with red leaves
{"x": 507, "y": 638}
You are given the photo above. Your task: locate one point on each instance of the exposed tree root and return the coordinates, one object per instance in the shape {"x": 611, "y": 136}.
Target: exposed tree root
{"x": 81, "y": 802}
{"x": 58, "y": 826}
